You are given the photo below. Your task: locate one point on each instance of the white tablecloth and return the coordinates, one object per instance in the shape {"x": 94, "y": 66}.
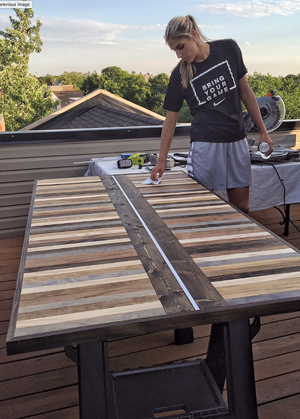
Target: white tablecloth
{"x": 266, "y": 191}
{"x": 270, "y": 189}
{"x": 109, "y": 166}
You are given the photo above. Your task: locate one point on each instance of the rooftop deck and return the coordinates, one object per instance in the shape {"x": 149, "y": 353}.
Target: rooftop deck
{"x": 43, "y": 385}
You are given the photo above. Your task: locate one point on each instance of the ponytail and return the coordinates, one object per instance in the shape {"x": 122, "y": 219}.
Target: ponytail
{"x": 180, "y": 27}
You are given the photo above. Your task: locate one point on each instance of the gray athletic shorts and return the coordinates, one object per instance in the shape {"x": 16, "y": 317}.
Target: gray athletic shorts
{"x": 220, "y": 166}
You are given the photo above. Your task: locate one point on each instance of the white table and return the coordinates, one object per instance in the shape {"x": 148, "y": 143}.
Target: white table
{"x": 274, "y": 184}
{"x": 109, "y": 166}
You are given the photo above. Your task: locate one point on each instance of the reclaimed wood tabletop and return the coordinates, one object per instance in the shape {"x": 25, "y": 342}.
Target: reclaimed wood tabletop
{"x": 112, "y": 257}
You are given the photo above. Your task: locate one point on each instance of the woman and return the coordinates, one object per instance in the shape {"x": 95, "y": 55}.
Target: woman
{"x": 211, "y": 77}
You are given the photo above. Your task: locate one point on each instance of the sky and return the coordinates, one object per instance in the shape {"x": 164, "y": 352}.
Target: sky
{"x": 90, "y": 35}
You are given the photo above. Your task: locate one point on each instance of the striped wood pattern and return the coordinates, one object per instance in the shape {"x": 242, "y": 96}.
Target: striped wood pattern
{"x": 43, "y": 385}
{"x": 245, "y": 262}
{"x": 81, "y": 268}
{"x": 82, "y": 271}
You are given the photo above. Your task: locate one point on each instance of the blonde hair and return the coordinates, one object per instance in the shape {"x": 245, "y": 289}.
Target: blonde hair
{"x": 180, "y": 27}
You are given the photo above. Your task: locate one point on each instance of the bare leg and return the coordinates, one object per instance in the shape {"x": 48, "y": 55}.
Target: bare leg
{"x": 239, "y": 197}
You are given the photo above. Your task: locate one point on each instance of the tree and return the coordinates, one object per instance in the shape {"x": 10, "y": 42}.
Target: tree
{"x": 114, "y": 80}
{"x": 21, "y": 40}
{"x": 48, "y": 80}
{"x": 136, "y": 89}
{"x": 130, "y": 86}
{"x": 159, "y": 86}
{"x": 72, "y": 77}
{"x": 286, "y": 87}
{"x": 91, "y": 83}
{"x": 22, "y": 98}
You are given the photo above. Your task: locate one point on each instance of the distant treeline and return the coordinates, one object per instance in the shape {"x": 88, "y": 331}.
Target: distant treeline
{"x": 23, "y": 97}
{"x": 149, "y": 91}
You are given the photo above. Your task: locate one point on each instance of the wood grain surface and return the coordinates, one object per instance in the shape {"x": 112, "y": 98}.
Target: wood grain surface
{"x": 244, "y": 261}
{"x": 81, "y": 269}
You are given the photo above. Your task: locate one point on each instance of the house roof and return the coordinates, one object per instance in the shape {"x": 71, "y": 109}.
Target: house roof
{"x": 67, "y": 97}
{"x": 99, "y": 109}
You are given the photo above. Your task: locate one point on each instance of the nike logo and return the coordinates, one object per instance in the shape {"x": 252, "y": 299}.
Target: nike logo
{"x": 218, "y": 103}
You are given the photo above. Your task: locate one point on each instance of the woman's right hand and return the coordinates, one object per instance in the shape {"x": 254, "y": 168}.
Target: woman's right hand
{"x": 165, "y": 144}
{"x": 158, "y": 170}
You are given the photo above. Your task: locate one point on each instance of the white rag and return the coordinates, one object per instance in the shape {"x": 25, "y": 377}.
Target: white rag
{"x": 149, "y": 181}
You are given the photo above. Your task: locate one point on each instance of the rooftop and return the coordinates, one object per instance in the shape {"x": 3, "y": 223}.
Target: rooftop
{"x": 43, "y": 385}
{"x": 96, "y": 110}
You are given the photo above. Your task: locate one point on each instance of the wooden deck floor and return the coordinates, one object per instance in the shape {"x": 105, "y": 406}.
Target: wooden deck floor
{"x": 44, "y": 385}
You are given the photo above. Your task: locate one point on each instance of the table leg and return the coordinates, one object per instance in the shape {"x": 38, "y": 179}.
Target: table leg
{"x": 93, "y": 381}
{"x": 230, "y": 355}
{"x": 240, "y": 372}
{"x": 286, "y": 220}
{"x": 184, "y": 336}
{"x": 216, "y": 354}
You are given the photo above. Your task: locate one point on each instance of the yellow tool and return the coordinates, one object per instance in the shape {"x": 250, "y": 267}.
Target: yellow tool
{"x": 136, "y": 159}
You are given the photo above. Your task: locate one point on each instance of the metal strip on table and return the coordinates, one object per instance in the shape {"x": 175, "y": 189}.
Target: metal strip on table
{"x": 169, "y": 267}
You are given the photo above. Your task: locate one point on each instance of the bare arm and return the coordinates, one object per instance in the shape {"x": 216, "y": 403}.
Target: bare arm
{"x": 165, "y": 144}
{"x": 250, "y": 102}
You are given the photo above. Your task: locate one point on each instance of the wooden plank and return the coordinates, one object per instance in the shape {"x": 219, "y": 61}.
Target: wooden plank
{"x": 43, "y": 402}
{"x": 11, "y": 232}
{"x": 282, "y": 328}
{"x": 7, "y": 294}
{"x": 6, "y": 306}
{"x": 275, "y": 366}
{"x": 13, "y": 224}
{"x": 41, "y": 173}
{"x": 283, "y": 408}
{"x": 11, "y": 188}
{"x": 5, "y": 312}
{"x": 25, "y": 386}
{"x": 278, "y": 387}
{"x": 9, "y": 200}
{"x": 9, "y": 278}
{"x": 11, "y": 248}
{"x": 66, "y": 413}
{"x": 279, "y": 345}
{"x": 32, "y": 162}
{"x": 90, "y": 149}
{"x": 193, "y": 279}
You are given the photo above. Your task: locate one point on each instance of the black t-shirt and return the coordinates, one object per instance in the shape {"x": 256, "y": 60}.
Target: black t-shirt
{"x": 212, "y": 95}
